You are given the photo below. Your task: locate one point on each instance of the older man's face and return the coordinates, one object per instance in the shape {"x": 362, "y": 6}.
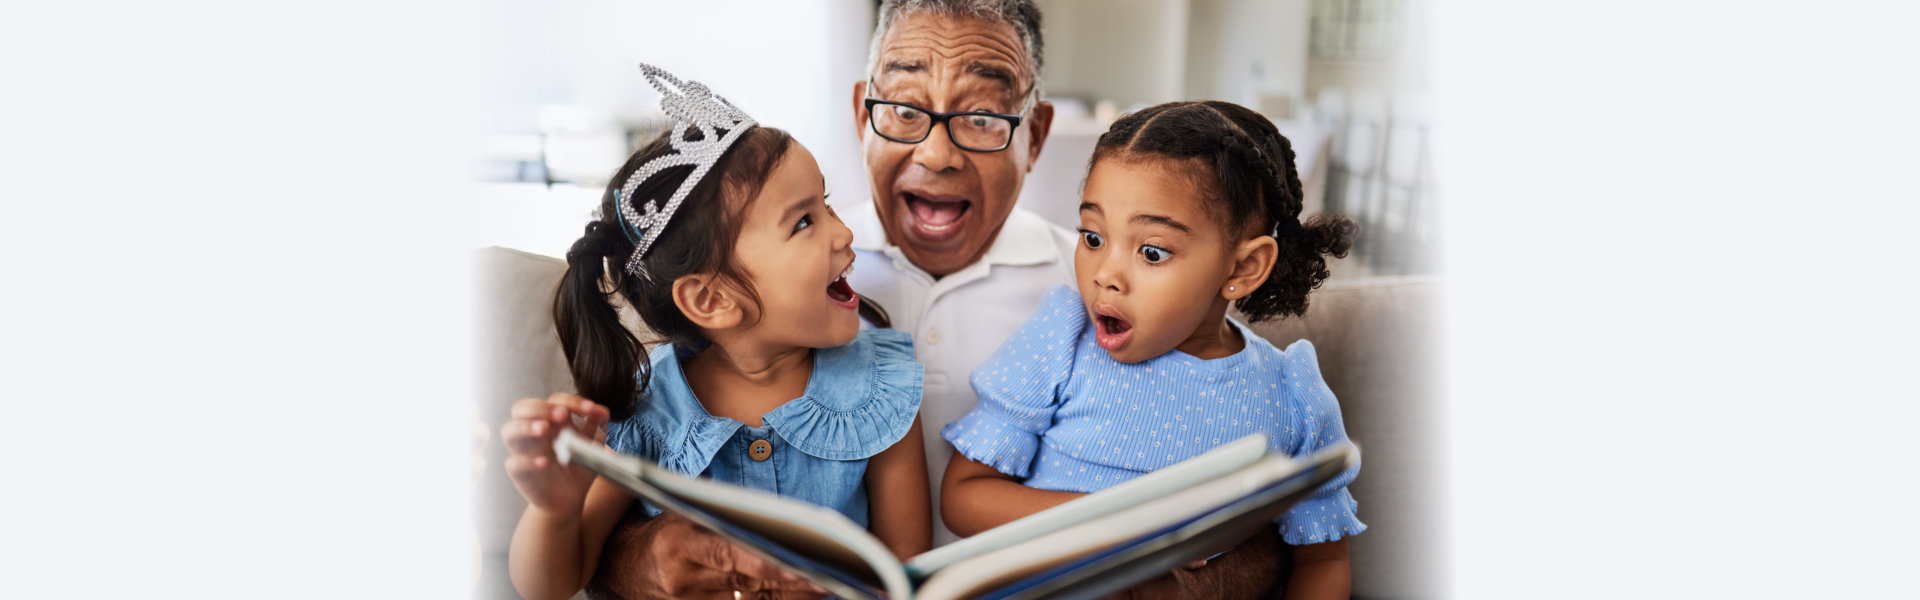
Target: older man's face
{"x": 942, "y": 205}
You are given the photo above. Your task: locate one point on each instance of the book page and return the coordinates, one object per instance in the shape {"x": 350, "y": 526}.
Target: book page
{"x": 1265, "y": 489}
{"x": 1210, "y": 465}
{"x": 812, "y": 540}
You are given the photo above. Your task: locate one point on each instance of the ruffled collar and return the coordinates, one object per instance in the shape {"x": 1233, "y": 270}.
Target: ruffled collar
{"x": 860, "y": 399}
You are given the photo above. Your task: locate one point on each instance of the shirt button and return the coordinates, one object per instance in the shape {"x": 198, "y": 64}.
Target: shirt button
{"x": 759, "y": 450}
{"x": 933, "y": 336}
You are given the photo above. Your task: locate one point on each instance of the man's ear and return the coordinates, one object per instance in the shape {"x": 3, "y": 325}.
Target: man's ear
{"x": 1037, "y": 129}
{"x": 706, "y": 303}
{"x": 860, "y": 110}
{"x": 1253, "y": 260}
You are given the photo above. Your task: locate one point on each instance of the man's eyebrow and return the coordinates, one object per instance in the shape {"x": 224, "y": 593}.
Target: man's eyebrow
{"x": 1160, "y": 220}
{"x": 992, "y": 71}
{"x": 903, "y": 66}
{"x": 1086, "y": 206}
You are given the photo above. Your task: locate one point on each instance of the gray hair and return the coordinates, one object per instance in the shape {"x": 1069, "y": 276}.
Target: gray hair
{"x": 1022, "y": 15}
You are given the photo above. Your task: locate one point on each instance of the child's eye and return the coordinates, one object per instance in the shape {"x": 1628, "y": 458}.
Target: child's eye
{"x": 1154, "y": 255}
{"x": 804, "y": 222}
{"x": 1092, "y": 239}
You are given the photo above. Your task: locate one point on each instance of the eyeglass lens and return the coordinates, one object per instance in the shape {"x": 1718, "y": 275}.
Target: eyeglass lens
{"x": 905, "y": 123}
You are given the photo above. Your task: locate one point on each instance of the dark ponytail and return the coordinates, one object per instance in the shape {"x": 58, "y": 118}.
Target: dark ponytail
{"x": 1257, "y": 190}
{"x": 601, "y": 353}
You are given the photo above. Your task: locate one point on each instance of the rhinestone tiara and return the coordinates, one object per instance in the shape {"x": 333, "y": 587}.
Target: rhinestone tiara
{"x": 690, "y": 105}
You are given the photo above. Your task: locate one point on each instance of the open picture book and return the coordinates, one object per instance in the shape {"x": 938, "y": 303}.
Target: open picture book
{"x": 1085, "y": 548}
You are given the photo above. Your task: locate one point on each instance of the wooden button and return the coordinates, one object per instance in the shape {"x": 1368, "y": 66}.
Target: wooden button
{"x": 759, "y": 450}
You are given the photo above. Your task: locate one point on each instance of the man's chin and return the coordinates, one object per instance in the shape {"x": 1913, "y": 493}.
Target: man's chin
{"x": 940, "y": 258}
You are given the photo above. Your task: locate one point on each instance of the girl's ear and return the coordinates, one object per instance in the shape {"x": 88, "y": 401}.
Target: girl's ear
{"x": 706, "y": 303}
{"x": 1252, "y": 261}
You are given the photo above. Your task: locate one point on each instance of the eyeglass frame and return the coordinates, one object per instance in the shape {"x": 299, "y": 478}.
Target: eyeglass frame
{"x": 940, "y": 118}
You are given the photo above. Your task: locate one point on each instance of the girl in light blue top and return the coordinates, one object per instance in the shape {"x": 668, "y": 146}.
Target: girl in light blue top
{"x": 718, "y": 235}
{"x": 1188, "y": 207}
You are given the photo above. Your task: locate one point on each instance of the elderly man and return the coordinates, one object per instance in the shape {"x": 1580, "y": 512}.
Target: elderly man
{"x": 950, "y": 121}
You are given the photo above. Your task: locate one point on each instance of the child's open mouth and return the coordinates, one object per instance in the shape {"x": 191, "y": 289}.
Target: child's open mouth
{"x": 840, "y": 292}
{"x": 1111, "y": 332}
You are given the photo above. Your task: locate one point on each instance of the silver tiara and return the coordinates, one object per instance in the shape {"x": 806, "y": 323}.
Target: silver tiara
{"x": 687, "y": 104}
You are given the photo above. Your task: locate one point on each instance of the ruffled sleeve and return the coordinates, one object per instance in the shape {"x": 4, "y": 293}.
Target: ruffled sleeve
{"x": 861, "y": 399}
{"x": 1329, "y": 513}
{"x": 670, "y": 428}
{"x": 1019, "y": 387}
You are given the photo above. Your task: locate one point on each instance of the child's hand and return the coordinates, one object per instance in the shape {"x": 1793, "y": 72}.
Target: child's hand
{"x": 529, "y": 435}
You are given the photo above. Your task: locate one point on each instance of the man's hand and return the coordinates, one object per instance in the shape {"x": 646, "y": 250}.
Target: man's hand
{"x": 1254, "y": 569}
{"x": 669, "y": 557}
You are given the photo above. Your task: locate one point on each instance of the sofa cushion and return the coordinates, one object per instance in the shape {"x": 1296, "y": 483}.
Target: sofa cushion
{"x": 518, "y": 356}
{"x": 1376, "y": 338}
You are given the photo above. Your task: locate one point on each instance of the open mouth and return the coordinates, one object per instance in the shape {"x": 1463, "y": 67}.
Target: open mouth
{"x": 840, "y": 291}
{"x": 936, "y": 217}
{"x": 1111, "y": 332}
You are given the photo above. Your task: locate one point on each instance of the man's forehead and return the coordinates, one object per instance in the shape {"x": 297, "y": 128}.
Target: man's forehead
{"x": 951, "y": 47}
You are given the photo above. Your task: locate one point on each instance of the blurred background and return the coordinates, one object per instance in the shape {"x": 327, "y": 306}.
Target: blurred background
{"x": 1345, "y": 80}
{"x": 1676, "y": 334}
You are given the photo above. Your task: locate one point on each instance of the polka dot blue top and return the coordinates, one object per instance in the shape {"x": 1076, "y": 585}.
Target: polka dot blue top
{"x": 1058, "y": 411}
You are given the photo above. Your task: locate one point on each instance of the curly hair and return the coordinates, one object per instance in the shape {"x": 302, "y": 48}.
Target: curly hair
{"x": 1248, "y": 180}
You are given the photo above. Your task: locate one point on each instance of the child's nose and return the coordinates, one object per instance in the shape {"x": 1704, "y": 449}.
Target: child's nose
{"x": 842, "y": 235}
{"x": 1110, "y": 274}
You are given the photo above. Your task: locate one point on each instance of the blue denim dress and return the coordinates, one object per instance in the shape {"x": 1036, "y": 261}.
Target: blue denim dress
{"x": 860, "y": 399}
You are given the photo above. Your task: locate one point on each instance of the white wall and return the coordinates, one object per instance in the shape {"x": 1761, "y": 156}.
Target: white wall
{"x": 1405, "y": 73}
{"x": 791, "y": 66}
{"x": 1128, "y": 51}
{"x": 1241, "y": 50}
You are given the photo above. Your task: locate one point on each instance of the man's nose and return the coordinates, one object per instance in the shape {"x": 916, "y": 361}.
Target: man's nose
{"x": 937, "y": 152}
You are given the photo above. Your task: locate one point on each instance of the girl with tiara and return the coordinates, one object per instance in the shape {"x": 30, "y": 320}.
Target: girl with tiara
{"x": 1188, "y": 207}
{"x": 719, "y": 236}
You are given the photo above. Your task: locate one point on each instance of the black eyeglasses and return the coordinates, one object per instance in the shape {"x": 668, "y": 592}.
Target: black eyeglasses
{"x": 974, "y": 131}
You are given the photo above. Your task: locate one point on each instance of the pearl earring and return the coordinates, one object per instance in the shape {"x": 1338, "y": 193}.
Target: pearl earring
{"x": 1230, "y": 288}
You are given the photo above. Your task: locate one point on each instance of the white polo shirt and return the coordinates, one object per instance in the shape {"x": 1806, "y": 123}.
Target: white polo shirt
{"x": 959, "y": 320}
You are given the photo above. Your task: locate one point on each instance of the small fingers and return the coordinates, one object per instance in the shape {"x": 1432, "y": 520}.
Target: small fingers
{"x": 570, "y": 409}
{"x": 531, "y": 408}
{"x": 521, "y": 467}
{"x": 523, "y": 436}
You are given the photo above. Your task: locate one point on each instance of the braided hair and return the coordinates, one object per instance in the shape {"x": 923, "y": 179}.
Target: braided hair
{"x": 1250, "y": 185}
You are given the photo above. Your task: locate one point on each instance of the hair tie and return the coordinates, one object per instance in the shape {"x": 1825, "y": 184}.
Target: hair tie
{"x": 592, "y": 243}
